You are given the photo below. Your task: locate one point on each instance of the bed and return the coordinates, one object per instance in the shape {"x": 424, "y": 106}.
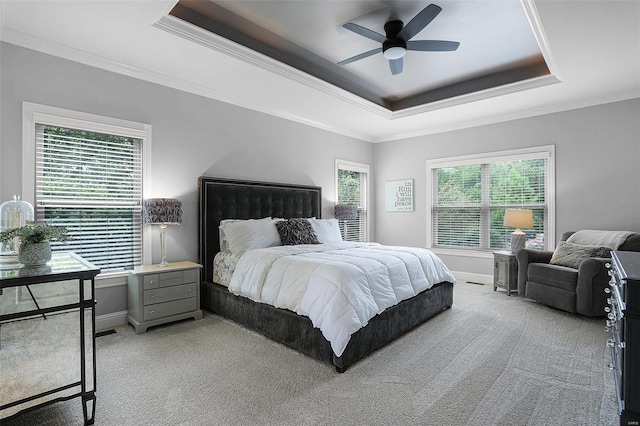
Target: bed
{"x": 222, "y": 199}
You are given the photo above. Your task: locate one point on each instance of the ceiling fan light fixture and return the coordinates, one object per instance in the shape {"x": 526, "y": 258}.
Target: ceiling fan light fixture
{"x": 395, "y": 52}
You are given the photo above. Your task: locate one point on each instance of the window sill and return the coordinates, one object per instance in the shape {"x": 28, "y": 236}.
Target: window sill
{"x": 463, "y": 253}
{"x": 111, "y": 279}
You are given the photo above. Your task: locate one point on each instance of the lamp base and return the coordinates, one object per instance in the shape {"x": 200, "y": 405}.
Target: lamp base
{"x": 163, "y": 245}
{"x": 518, "y": 240}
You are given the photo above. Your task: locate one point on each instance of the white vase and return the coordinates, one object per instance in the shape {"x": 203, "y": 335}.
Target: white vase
{"x": 35, "y": 254}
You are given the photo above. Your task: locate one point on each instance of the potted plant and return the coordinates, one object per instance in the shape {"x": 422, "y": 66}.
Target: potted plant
{"x": 34, "y": 238}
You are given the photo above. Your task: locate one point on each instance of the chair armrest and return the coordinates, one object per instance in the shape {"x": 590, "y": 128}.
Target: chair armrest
{"x": 593, "y": 278}
{"x": 525, "y": 257}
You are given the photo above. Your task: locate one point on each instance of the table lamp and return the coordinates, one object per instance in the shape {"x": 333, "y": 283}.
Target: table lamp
{"x": 345, "y": 212}
{"x": 518, "y": 218}
{"x": 162, "y": 212}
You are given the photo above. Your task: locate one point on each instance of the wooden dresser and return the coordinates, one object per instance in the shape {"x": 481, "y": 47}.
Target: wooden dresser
{"x": 161, "y": 294}
{"x": 623, "y": 321}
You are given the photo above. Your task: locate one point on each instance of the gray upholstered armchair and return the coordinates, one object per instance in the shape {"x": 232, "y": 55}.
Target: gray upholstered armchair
{"x": 573, "y": 289}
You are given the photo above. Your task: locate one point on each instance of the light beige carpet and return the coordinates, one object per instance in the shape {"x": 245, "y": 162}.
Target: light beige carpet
{"x": 490, "y": 360}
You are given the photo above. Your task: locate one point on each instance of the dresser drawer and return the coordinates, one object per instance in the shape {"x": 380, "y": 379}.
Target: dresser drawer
{"x": 160, "y": 310}
{"x": 167, "y": 294}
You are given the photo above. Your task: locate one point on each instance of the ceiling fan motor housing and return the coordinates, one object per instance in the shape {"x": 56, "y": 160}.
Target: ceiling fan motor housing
{"x": 393, "y": 28}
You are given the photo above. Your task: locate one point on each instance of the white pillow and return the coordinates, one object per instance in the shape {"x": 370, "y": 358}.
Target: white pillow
{"x": 327, "y": 230}
{"x": 224, "y": 244}
{"x": 243, "y": 235}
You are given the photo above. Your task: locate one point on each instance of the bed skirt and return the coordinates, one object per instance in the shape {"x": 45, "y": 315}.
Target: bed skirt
{"x": 297, "y": 332}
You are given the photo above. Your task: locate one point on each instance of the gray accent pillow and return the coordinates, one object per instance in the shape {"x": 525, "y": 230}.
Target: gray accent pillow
{"x": 571, "y": 255}
{"x": 296, "y": 231}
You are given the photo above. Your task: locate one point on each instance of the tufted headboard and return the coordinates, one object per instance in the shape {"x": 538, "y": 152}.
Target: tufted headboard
{"x": 235, "y": 199}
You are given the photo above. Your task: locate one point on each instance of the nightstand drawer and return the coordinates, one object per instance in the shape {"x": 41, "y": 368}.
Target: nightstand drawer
{"x": 170, "y": 278}
{"x": 167, "y": 294}
{"x": 160, "y": 310}
{"x": 191, "y": 276}
{"x": 150, "y": 281}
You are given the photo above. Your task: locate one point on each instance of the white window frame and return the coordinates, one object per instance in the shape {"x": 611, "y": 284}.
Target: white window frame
{"x": 546, "y": 151}
{"x": 361, "y": 168}
{"x": 33, "y": 114}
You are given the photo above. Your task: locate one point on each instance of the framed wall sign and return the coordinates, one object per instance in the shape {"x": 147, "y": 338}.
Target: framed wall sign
{"x": 399, "y": 195}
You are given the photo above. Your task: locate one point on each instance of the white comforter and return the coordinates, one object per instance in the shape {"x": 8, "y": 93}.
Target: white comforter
{"x": 339, "y": 286}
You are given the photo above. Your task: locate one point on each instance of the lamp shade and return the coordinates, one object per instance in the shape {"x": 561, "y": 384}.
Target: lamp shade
{"x": 346, "y": 211}
{"x": 162, "y": 211}
{"x": 518, "y": 218}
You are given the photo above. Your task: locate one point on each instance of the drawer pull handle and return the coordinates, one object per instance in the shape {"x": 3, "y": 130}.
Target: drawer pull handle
{"x": 151, "y": 311}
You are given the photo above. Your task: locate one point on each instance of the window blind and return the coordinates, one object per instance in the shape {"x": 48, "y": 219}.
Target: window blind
{"x": 352, "y": 190}
{"x": 91, "y": 183}
{"x": 469, "y": 201}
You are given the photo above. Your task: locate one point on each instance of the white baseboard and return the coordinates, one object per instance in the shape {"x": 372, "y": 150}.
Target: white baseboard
{"x": 474, "y": 278}
{"x": 109, "y": 321}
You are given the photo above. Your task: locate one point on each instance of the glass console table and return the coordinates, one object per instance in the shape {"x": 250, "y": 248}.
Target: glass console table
{"x": 47, "y": 335}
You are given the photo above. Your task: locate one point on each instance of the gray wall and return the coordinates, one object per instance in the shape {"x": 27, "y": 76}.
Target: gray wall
{"x": 597, "y": 171}
{"x": 192, "y": 136}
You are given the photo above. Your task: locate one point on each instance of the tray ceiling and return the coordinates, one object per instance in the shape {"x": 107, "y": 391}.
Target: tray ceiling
{"x": 497, "y": 44}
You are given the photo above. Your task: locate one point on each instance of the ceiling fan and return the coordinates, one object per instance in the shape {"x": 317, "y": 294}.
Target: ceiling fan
{"x": 398, "y": 39}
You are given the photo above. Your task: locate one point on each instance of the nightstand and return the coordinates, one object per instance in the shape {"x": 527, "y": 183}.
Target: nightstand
{"x": 505, "y": 271}
{"x": 162, "y": 294}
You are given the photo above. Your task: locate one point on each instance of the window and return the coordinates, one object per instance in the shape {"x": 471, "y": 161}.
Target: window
{"x": 352, "y": 188}
{"x": 86, "y": 173}
{"x": 468, "y": 197}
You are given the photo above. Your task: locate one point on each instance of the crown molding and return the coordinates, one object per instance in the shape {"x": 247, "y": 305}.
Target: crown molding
{"x": 227, "y": 47}
{"x": 480, "y": 95}
{"x": 535, "y": 22}
{"x": 518, "y": 115}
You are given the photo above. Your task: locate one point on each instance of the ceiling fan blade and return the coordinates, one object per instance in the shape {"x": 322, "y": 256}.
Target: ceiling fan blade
{"x": 365, "y": 32}
{"x": 433, "y": 45}
{"x": 360, "y": 56}
{"x": 396, "y": 66}
{"x": 419, "y": 21}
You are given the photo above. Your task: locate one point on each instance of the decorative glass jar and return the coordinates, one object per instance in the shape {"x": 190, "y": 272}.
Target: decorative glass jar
{"x": 13, "y": 214}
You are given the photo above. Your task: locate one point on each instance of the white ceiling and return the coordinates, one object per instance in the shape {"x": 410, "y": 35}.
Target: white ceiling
{"x": 591, "y": 47}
